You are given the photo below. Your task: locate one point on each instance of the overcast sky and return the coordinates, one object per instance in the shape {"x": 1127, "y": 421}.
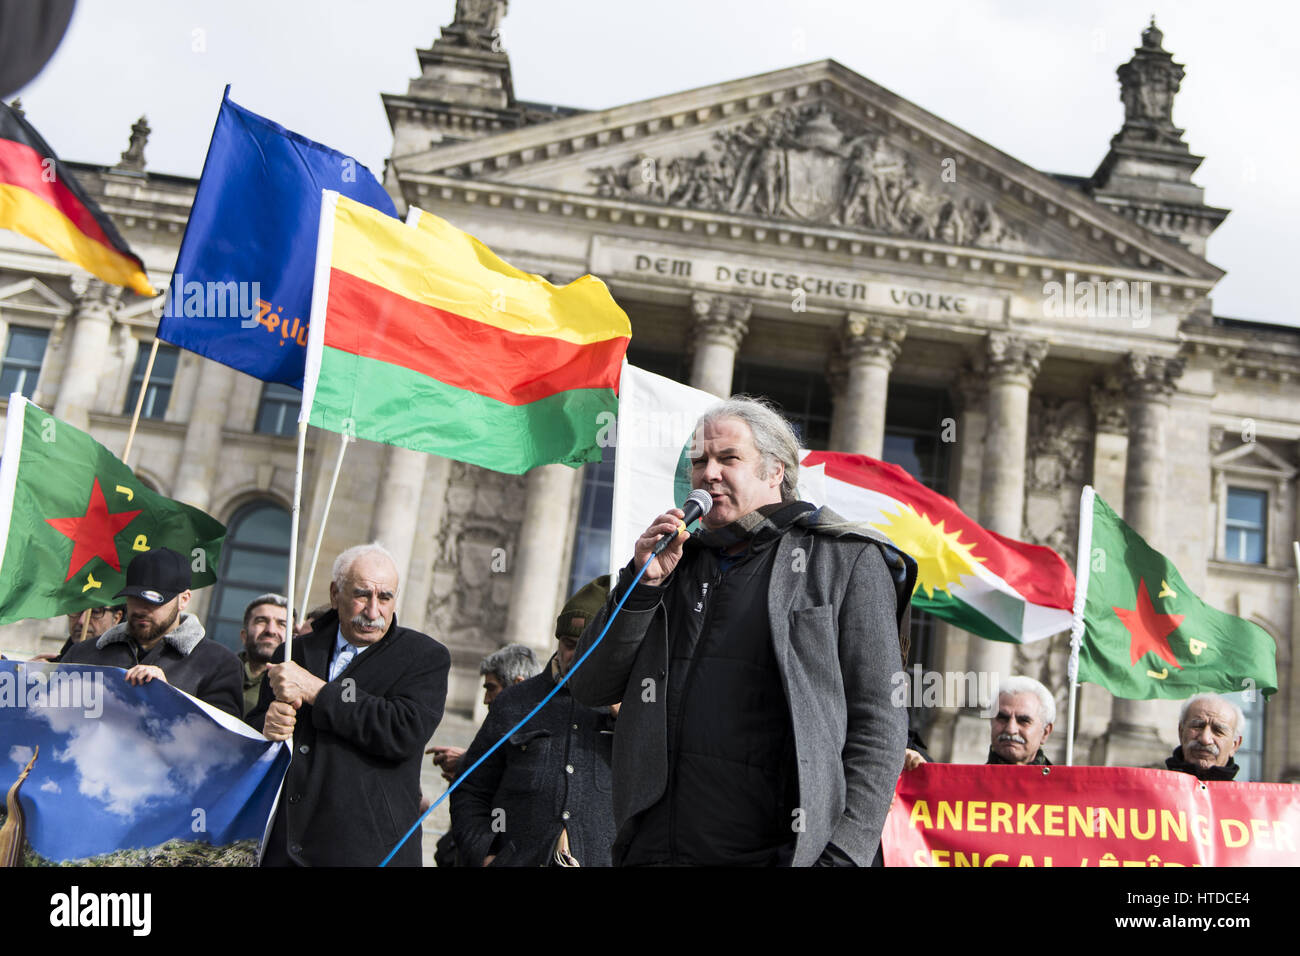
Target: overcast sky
{"x": 1036, "y": 80}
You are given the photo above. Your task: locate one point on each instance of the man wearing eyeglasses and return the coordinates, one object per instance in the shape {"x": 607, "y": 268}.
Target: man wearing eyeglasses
{"x": 101, "y": 619}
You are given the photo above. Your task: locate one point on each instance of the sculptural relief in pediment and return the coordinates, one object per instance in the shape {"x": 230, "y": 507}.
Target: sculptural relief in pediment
{"x": 802, "y": 163}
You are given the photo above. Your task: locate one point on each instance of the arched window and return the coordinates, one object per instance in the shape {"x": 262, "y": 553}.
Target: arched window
{"x": 254, "y": 560}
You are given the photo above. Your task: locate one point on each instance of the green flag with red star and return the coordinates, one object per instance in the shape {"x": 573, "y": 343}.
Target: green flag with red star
{"x": 1146, "y": 634}
{"x": 72, "y": 516}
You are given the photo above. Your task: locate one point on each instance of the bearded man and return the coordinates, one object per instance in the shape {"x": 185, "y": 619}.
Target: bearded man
{"x": 262, "y": 633}
{"x": 157, "y": 641}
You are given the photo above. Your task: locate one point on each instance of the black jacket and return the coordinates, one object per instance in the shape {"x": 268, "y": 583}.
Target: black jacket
{"x": 353, "y": 788}
{"x": 837, "y": 601}
{"x": 732, "y": 792}
{"x": 193, "y": 663}
{"x": 552, "y": 774}
{"x": 1226, "y": 772}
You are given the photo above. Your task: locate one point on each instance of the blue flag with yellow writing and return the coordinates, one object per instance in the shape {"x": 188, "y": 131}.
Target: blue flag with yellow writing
{"x": 241, "y": 291}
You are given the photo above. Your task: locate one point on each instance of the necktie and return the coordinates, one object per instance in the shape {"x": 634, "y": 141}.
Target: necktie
{"x": 342, "y": 660}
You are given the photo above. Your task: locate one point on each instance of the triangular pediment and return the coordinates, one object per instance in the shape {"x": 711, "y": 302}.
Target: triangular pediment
{"x": 34, "y": 297}
{"x": 142, "y": 311}
{"x": 813, "y": 146}
{"x": 1255, "y": 458}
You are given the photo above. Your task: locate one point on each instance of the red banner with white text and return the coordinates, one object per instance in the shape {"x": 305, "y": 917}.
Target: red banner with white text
{"x": 965, "y": 815}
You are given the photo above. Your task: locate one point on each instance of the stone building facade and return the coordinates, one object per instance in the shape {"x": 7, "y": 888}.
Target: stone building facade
{"x": 900, "y": 287}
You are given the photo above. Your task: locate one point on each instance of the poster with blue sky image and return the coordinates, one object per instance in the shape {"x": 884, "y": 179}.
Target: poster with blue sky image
{"x": 131, "y": 775}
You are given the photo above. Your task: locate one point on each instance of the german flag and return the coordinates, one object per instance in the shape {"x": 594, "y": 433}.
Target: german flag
{"x": 41, "y": 199}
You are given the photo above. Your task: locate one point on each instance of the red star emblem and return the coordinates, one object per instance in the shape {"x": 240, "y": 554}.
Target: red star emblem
{"x": 93, "y": 533}
{"x": 1150, "y": 631}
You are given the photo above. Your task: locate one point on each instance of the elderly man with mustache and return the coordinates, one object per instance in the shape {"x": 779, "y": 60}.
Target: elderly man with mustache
{"x": 1022, "y": 723}
{"x": 360, "y": 700}
{"x": 1209, "y": 733}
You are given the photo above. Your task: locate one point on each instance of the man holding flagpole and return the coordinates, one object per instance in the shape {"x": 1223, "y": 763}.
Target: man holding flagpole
{"x": 359, "y": 698}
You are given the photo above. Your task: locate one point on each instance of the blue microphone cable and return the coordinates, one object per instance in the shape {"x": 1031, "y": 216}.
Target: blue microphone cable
{"x": 578, "y": 663}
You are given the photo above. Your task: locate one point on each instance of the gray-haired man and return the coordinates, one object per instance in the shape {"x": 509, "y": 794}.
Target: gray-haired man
{"x": 753, "y": 662}
{"x": 1209, "y": 733}
{"x": 1023, "y": 722}
{"x": 504, "y": 667}
{"x": 360, "y": 699}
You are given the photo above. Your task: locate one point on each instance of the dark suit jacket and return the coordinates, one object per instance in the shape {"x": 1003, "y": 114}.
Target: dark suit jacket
{"x": 353, "y": 788}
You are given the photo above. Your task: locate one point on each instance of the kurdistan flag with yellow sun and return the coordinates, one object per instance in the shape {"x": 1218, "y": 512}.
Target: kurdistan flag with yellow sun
{"x": 989, "y": 585}
{"x": 996, "y": 587}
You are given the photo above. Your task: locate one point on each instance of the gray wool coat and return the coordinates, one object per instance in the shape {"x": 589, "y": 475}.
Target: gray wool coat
{"x": 838, "y": 601}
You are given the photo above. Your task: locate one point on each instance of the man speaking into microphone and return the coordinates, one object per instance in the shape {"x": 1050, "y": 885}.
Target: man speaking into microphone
{"x": 753, "y": 663}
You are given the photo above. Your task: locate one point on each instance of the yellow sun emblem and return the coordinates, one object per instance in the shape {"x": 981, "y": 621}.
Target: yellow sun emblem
{"x": 941, "y": 559}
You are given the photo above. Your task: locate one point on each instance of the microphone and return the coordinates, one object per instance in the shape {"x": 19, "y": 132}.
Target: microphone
{"x": 697, "y": 505}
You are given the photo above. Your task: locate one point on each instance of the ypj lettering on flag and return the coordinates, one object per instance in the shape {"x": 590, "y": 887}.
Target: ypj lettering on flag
{"x": 72, "y": 516}
{"x": 1147, "y": 634}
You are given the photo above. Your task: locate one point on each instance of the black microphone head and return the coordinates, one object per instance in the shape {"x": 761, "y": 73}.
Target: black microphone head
{"x": 697, "y": 505}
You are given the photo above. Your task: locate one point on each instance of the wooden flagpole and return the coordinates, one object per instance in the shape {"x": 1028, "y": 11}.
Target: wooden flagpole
{"x": 293, "y": 537}
{"x": 139, "y": 402}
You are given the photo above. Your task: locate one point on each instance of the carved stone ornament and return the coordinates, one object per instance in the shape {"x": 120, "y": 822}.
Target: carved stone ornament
{"x": 1148, "y": 83}
{"x": 1109, "y": 411}
{"x": 1151, "y": 377}
{"x": 719, "y": 319}
{"x": 1058, "y": 444}
{"x": 1014, "y": 356}
{"x": 875, "y": 338}
{"x": 477, "y": 542}
{"x": 800, "y": 163}
{"x": 133, "y": 155}
{"x": 476, "y": 25}
{"x": 94, "y": 296}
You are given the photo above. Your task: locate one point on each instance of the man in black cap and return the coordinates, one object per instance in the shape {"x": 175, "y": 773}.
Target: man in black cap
{"x": 158, "y": 642}
{"x": 544, "y": 797}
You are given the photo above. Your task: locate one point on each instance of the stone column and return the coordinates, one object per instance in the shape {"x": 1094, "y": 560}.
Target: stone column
{"x": 959, "y": 734}
{"x": 537, "y": 591}
{"x": 720, "y": 322}
{"x": 397, "y": 510}
{"x": 1011, "y": 363}
{"x": 1133, "y": 738}
{"x": 870, "y": 344}
{"x": 196, "y": 470}
{"x": 88, "y": 352}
